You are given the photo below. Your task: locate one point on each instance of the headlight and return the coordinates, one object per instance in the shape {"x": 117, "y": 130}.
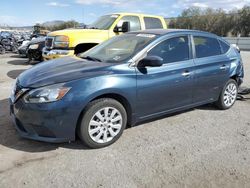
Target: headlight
{"x": 46, "y": 94}
{"x": 61, "y": 41}
{"x": 34, "y": 46}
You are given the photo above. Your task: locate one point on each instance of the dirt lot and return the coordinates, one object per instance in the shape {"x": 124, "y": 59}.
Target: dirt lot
{"x": 202, "y": 147}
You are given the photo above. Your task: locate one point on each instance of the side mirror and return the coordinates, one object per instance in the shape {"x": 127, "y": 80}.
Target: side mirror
{"x": 124, "y": 28}
{"x": 150, "y": 61}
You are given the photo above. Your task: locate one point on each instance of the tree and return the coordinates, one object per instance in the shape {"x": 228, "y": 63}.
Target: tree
{"x": 214, "y": 20}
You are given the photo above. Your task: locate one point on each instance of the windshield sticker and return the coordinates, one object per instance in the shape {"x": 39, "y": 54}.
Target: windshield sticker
{"x": 116, "y": 58}
{"x": 114, "y": 16}
{"x": 146, "y": 35}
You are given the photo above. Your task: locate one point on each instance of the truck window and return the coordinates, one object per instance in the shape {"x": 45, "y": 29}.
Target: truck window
{"x": 104, "y": 22}
{"x": 152, "y": 23}
{"x": 134, "y": 21}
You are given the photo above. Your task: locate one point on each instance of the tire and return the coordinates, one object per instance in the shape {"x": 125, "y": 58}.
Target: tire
{"x": 2, "y": 50}
{"x": 228, "y": 95}
{"x": 38, "y": 56}
{"x": 14, "y": 49}
{"x": 102, "y": 131}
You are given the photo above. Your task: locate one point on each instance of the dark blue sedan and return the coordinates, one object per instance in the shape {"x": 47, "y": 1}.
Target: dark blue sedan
{"x": 127, "y": 79}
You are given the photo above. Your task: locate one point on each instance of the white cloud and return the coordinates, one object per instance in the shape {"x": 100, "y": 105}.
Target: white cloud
{"x": 201, "y": 5}
{"x": 56, "y": 4}
{"x": 110, "y": 2}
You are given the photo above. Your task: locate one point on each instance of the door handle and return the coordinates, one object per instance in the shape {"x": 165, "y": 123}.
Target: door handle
{"x": 186, "y": 73}
{"x": 223, "y": 67}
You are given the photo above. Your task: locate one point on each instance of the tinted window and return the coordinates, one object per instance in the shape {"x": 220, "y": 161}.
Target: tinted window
{"x": 224, "y": 46}
{"x": 134, "y": 21}
{"x": 205, "y": 47}
{"x": 152, "y": 23}
{"x": 172, "y": 50}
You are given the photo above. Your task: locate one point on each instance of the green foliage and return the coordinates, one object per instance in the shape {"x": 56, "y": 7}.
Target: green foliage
{"x": 217, "y": 21}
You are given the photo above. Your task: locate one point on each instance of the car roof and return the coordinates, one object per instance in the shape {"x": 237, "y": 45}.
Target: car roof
{"x": 172, "y": 31}
{"x": 136, "y": 14}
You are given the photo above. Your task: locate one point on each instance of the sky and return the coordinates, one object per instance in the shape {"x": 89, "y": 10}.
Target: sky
{"x": 30, "y": 12}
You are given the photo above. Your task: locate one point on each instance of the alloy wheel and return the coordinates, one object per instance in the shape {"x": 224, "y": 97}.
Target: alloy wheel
{"x": 230, "y": 94}
{"x": 105, "y": 124}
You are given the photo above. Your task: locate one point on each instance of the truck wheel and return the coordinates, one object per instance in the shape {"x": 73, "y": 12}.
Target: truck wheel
{"x": 103, "y": 123}
{"x": 228, "y": 95}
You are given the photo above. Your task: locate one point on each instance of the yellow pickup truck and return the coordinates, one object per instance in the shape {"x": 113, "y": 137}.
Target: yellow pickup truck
{"x": 74, "y": 41}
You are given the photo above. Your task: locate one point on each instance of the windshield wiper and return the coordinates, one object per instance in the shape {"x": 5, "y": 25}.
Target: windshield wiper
{"x": 91, "y": 58}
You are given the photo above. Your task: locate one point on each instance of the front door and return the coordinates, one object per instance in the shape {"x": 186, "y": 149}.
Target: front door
{"x": 169, "y": 87}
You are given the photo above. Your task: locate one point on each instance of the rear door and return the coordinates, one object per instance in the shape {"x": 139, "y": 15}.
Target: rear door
{"x": 170, "y": 86}
{"x": 212, "y": 67}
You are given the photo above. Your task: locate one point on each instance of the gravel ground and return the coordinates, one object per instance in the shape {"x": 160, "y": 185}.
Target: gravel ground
{"x": 201, "y": 147}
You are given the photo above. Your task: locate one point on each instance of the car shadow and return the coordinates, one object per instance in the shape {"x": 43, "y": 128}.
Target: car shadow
{"x": 204, "y": 107}
{"x": 10, "y": 138}
{"x": 15, "y": 73}
{"x": 19, "y": 62}
{"x": 16, "y": 56}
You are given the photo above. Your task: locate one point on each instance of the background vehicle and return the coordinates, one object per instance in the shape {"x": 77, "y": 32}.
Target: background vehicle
{"x": 127, "y": 79}
{"x": 23, "y": 49}
{"x": 74, "y": 41}
{"x": 34, "y": 49}
{"x": 7, "y": 42}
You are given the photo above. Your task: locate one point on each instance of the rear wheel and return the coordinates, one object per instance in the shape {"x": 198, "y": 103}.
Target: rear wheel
{"x": 103, "y": 123}
{"x": 228, "y": 95}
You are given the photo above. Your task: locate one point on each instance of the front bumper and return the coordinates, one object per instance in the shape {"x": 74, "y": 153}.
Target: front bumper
{"x": 53, "y": 54}
{"x": 22, "y": 52}
{"x": 47, "y": 122}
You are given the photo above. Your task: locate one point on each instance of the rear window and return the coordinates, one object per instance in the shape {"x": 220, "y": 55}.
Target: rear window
{"x": 206, "y": 46}
{"x": 224, "y": 46}
{"x": 152, "y": 23}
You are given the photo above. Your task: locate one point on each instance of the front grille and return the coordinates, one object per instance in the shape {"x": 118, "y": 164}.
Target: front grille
{"x": 49, "y": 42}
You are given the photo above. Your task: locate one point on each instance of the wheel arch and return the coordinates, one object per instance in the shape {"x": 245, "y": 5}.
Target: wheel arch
{"x": 120, "y": 98}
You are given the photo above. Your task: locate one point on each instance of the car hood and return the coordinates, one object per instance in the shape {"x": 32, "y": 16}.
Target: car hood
{"x": 61, "y": 70}
{"x": 78, "y": 36}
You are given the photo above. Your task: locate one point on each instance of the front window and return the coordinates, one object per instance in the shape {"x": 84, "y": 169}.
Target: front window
{"x": 134, "y": 21}
{"x": 104, "y": 22}
{"x": 172, "y": 50}
{"x": 120, "y": 48}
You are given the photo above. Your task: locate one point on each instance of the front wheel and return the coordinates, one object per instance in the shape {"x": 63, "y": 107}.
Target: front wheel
{"x": 228, "y": 95}
{"x": 103, "y": 123}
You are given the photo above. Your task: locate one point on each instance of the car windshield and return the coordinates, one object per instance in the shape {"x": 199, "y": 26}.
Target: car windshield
{"x": 104, "y": 22}
{"x": 118, "y": 49}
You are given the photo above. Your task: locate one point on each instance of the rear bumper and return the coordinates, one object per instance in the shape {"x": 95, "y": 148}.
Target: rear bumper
{"x": 53, "y": 54}
{"x": 50, "y": 125}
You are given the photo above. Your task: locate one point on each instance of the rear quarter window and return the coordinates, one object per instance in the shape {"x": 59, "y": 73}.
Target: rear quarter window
{"x": 152, "y": 23}
{"x": 224, "y": 46}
